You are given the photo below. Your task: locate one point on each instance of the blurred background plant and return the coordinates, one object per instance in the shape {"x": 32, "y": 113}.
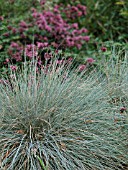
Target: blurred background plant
{"x": 44, "y": 26}
{"x": 104, "y": 21}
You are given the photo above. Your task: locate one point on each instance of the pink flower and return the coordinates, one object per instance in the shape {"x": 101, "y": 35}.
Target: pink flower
{"x": 42, "y": 2}
{"x": 9, "y": 27}
{"x": 14, "y": 45}
{"x": 23, "y": 36}
{"x": 33, "y": 9}
{"x": 75, "y": 32}
{"x": 70, "y": 59}
{"x": 6, "y": 61}
{"x": 59, "y": 62}
{"x": 1, "y": 18}
{"x": 90, "y": 60}
{"x": 14, "y": 30}
{"x": 79, "y": 13}
{"x": 39, "y": 62}
{"x": 103, "y": 49}
{"x": 42, "y": 45}
{"x": 56, "y": 10}
{"x": 31, "y": 50}
{"x": 40, "y": 26}
{"x": 23, "y": 24}
{"x": 82, "y": 67}
{"x": 21, "y": 29}
{"x": 45, "y": 44}
{"x": 47, "y": 56}
{"x": 78, "y": 46}
{"x": 34, "y": 14}
{"x": 48, "y": 28}
{"x": 54, "y": 44}
{"x": 122, "y": 109}
{"x": 45, "y": 39}
{"x": 75, "y": 25}
{"x": 17, "y": 56}
{"x": 13, "y": 68}
{"x": 70, "y": 43}
{"x": 84, "y": 30}
{"x": 86, "y": 38}
{"x": 56, "y": 6}
{"x": 6, "y": 34}
{"x": 73, "y": 8}
{"x": 82, "y": 7}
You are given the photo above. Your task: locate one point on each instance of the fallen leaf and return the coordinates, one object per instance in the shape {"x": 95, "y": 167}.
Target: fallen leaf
{"x": 20, "y": 131}
{"x": 62, "y": 146}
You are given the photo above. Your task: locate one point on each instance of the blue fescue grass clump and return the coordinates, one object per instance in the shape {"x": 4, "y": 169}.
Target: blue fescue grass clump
{"x": 117, "y": 84}
{"x": 58, "y": 119}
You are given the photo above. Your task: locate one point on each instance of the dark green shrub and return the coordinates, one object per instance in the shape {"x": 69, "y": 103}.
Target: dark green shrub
{"x": 106, "y": 20}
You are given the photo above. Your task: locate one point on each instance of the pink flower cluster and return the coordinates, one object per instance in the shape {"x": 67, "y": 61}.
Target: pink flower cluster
{"x": 50, "y": 29}
{"x": 82, "y": 67}
{"x": 123, "y": 109}
{"x": 73, "y": 12}
{"x": 31, "y": 51}
{"x": 15, "y": 51}
{"x": 6, "y": 61}
{"x": 103, "y": 49}
{"x": 13, "y": 68}
{"x": 89, "y": 61}
{"x": 41, "y": 45}
{"x": 58, "y": 30}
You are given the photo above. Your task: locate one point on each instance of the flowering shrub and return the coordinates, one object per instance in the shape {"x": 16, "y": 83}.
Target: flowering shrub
{"x": 47, "y": 26}
{"x": 53, "y": 28}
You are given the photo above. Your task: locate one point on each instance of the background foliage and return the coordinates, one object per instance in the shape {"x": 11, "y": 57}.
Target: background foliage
{"x": 105, "y": 20}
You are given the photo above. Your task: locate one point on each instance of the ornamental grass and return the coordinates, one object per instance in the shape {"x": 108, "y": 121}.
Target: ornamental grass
{"x": 60, "y": 119}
